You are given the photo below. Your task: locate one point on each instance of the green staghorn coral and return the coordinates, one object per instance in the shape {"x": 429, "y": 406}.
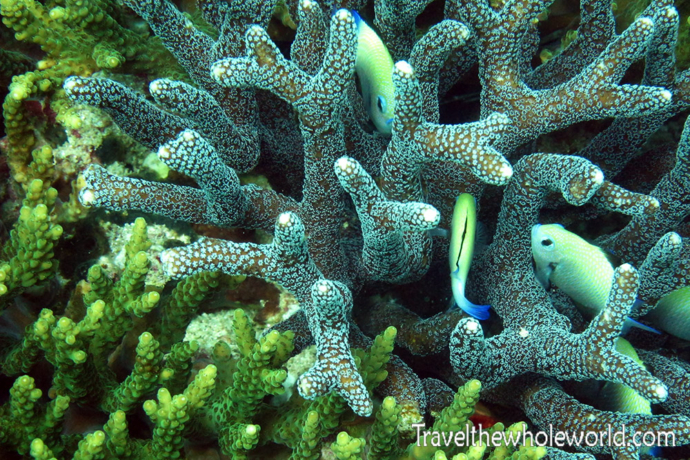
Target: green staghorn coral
{"x": 168, "y": 414}
{"x": 79, "y": 351}
{"x": 384, "y": 430}
{"x": 28, "y": 256}
{"x": 184, "y": 301}
{"x": 230, "y": 406}
{"x": 347, "y": 448}
{"x": 123, "y": 299}
{"x": 456, "y": 418}
{"x": 77, "y": 37}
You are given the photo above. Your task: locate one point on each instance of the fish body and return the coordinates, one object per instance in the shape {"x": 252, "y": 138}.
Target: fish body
{"x": 618, "y": 397}
{"x": 374, "y": 67}
{"x": 463, "y": 233}
{"x": 672, "y": 313}
{"x": 580, "y": 269}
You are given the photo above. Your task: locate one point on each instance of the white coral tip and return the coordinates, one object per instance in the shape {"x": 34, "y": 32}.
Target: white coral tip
{"x": 598, "y": 176}
{"x": 403, "y": 67}
{"x": 472, "y": 326}
{"x": 344, "y": 163}
{"x": 164, "y": 152}
{"x": 506, "y": 171}
{"x": 70, "y": 84}
{"x": 430, "y": 215}
{"x": 661, "y": 392}
{"x": 86, "y": 197}
{"x": 284, "y": 218}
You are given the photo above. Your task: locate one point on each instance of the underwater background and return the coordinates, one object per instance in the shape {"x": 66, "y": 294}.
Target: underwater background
{"x": 242, "y": 229}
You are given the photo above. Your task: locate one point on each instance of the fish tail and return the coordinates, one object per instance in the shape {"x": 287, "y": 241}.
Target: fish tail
{"x": 358, "y": 18}
{"x": 457, "y": 284}
{"x": 476, "y": 311}
{"x": 438, "y": 231}
{"x": 629, "y": 322}
{"x": 654, "y": 451}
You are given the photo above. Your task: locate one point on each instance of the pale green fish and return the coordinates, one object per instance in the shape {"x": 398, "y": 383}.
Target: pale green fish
{"x": 672, "y": 313}
{"x": 618, "y": 397}
{"x": 581, "y": 270}
{"x": 374, "y": 67}
{"x": 462, "y": 236}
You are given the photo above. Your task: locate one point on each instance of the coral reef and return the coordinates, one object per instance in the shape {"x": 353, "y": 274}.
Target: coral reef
{"x": 28, "y": 254}
{"x": 351, "y": 222}
{"x": 76, "y": 38}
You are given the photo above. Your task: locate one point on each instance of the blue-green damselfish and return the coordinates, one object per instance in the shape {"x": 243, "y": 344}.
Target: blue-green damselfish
{"x": 584, "y": 272}
{"x": 463, "y": 231}
{"x": 618, "y": 397}
{"x": 374, "y": 67}
{"x": 580, "y": 269}
{"x": 672, "y": 313}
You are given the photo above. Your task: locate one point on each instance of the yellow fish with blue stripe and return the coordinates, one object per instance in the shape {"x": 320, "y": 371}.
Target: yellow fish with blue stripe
{"x": 462, "y": 238}
{"x": 374, "y": 67}
{"x": 580, "y": 269}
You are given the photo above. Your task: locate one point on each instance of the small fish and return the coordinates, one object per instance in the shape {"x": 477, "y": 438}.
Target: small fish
{"x": 462, "y": 236}
{"x": 672, "y": 313}
{"x": 374, "y": 67}
{"x": 618, "y": 397}
{"x": 581, "y": 270}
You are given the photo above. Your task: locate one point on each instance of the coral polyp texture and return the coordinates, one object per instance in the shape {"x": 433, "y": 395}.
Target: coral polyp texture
{"x": 277, "y": 165}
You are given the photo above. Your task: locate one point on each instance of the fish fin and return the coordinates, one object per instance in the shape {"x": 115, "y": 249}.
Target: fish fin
{"x": 438, "y": 231}
{"x": 480, "y": 312}
{"x": 543, "y": 275}
{"x": 482, "y": 239}
{"x": 654, "y": 451}
{"x": 476, "y": 311}
{"x": 629, "y": 322}
{"x": 612, "y": 258}
{"x": 638, "y": 304}
{"x": 358, "y": 18}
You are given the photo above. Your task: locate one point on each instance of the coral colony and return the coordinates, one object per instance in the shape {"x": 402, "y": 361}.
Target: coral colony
{"x": 359, "y": 208}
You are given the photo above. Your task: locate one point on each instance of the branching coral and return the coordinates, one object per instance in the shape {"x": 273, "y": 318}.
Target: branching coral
{"x": 82, "y": 375}
{"x": 356, "y": 212}
{"x": 28, "y": 256}
{"x": 77, "y": 38}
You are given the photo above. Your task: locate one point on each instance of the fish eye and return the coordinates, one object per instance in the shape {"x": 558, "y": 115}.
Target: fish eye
{"x": 381, "y": 103}
{"x": 547, "y": 243}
